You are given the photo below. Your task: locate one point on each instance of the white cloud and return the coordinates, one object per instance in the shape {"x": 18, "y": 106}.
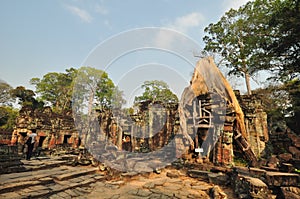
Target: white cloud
{"x": 184, "y": 23}
{"x": 82, "y": 14}
{"x": 235, "y": 4}
{"x": 101, "y": 9}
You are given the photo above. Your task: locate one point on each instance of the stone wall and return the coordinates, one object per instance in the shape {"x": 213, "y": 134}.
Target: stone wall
{"x": 52, "y": 129}
{"x": 255, "y": 121}
{"x": 222, "y": 126}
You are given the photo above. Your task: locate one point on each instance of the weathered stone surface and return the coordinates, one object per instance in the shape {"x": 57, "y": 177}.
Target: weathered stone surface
{"x": 75, "y": 174}
{"x": 295, "y": 151}
{"x": 286, "y": 167}
{"x": 173, "y": 174}
{"x": 247, "y": 186}
{"x": 282, "y": 179}
{"x": 198, "y": 174}
{"x": 291, "y": 192}
{"x": 295, "y": 139}
{"x": 273, "y": 161}
{"x": 217, "y": 193}
{"x": 201, "y": 187}
{"x": 218, "y": 178}
{"x": 285, "y": 157}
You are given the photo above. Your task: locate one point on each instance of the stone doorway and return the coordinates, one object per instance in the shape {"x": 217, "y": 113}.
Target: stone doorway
{"x": 66, "y": 139}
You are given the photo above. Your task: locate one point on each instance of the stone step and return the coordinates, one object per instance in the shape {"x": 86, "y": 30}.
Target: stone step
{"x": 13, "y": 180}
{"x": 203, "y": 175}
{"x": 5, "y": 158}
{"x": 280, "y": 179}
{"x": 42, "y": 165}
{"x": 4, "y": 165}
{"x": 75, "y": 173}
{"x": 250, "y": 186}
{"x": 14, "y": 169}
{"x": 38, "y": 189}
{"x": 24, "y": 184}
{"x": 32, "y": 165}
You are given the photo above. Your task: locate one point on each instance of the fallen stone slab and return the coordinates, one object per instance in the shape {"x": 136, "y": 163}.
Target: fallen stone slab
{"x": 198, "y": 174}
{"x": 217, "y": 169}
{"x": 216, "y": 192}
{"x": 256, "y": 172}
{"x": 249, "y": 186}
{"x": 296, "y": 163}
{"x": 285, "y": 157}
{"x": 11, "y": 195}
{"x": 75, "y": 174}
{"x": 218, "y": 178}
{"x": 295, "y": 151}
{"x": 19, "y": 185}
{"x": 269, "y": 168}
{"x": 282, "y": 179}
{"x": 173, "y": 174}
{"x": 290, "y": 192}
{"x": 202, "y": 187}
{"x": 286, "y": 167}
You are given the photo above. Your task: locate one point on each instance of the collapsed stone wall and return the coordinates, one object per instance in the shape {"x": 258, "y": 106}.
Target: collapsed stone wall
{"x": 255, "y": 121}
{"x": 52, "y": 129}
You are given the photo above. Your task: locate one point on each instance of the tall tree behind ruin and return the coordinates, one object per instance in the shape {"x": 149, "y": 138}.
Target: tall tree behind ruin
{"x": 5, "y": 94}
{"x": 7, "y": 112}
{"x": 235, "y": 37}
{"x": 284, "y": 28}
{"x": 56, "y": 89}
{"x": 156, "y": 91}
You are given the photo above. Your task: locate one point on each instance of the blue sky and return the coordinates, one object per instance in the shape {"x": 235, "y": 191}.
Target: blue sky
{"x": 38, "y": 37}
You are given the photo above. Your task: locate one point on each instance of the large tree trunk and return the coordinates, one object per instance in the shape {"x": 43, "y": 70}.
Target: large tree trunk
{"x": 247, "y": 79}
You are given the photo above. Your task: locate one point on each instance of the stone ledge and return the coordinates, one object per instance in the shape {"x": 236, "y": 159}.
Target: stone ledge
{"x": 75, "y": 174}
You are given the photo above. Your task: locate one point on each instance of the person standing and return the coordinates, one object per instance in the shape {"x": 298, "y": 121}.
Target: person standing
{"x": 30, "y": 143}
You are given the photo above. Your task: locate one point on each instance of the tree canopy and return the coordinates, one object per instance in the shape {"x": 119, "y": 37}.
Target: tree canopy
{"x": 284, "y": 28}
{"x": 97, "y": 89}
{"x": 263, "y": 35}
{"x": 56, "y": 88}
{"x": 7, "y": 118}
{"x": 5, "y": 93}
{"x": 26, "y": 97}
{"x": 236, "y": 37}
{"x": 156, "y": 91}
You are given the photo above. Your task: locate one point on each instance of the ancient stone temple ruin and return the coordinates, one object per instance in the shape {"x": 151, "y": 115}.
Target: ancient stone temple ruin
{"x": 219, "y": 122}
{"x": 190, "y": 146}
{"x": 211, "y": 121}
{"x": 52, "y": 129}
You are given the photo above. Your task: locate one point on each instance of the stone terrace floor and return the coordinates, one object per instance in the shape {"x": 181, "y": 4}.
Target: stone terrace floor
{"x": 50, "y": 178}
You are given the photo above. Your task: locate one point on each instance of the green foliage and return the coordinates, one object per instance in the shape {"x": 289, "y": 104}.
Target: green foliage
{"x": 284, "y": 26}
{"x": 7, "y": 118}
{"x": 282, "y": 103}
{"x": 261, "y": 35}
{"x": 26, "y": 97}
{"x": 236, "y": 36}
{"x": 96, "y": 88}
{"x": 5, "y": 94}
{"x": 275, "y": 102}
{"x": 56, "y": 88}
{"x": 156, "y": 91}
{"x": 293, "y": 88}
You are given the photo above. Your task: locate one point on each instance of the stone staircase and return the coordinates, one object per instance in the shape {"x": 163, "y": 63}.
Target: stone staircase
{"x": 10, "y": 160}
{"x": 279, "y": 182}
{"x": 54, "y": 182}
